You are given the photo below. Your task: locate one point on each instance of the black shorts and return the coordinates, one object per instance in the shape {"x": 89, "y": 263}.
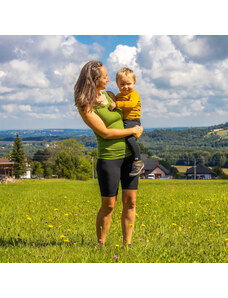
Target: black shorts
{"x": 111, "y": 172}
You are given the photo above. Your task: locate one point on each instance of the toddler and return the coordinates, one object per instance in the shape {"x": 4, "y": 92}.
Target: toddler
{"x": 128, "y": 101}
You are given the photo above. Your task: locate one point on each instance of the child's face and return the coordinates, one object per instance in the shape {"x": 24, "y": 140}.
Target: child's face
{"x": 125, "y": 84}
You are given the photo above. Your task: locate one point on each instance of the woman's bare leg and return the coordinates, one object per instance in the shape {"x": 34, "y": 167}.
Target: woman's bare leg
{"x": 128, "y": 213}
{"x": 104, "y": 218}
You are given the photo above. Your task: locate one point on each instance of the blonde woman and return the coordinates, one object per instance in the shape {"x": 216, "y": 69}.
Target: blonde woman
{"x": 114, "y": 157}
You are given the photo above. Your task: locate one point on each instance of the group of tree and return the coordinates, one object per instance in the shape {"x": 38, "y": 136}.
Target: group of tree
{"x": 65, "y": 159}
{"x": 69, "y": 159}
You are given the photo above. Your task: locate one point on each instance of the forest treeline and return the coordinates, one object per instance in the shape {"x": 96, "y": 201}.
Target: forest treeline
{"x": 208, "y": 146}
{"x": 182, "y": 147}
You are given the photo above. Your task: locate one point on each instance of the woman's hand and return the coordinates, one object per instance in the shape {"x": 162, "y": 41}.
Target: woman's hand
{"x": 138, "y": 130}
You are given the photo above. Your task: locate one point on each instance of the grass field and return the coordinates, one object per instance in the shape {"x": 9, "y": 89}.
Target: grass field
{"x": 183, "y": 169}
{"x": 54, "y": 221}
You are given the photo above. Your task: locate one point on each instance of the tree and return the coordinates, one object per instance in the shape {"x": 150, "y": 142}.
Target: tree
{"x": 219, "y": 172}
{"x": 72, "y": 166}
{"x": 18, "y": 157}
{"x": 37, "y": 169}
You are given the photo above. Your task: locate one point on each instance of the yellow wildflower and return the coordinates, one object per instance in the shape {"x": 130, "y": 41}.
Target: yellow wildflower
{"x": 50, "y": 260}
{"x": 117, "y": 245}
{"x": 68, "y": 230}
{"x": 174, "y": 224}
{"x": 211, "y": 234}
{"x": 66, "y": 214}
{"x": 203, "y": 225}
{"x": 65, "y": 197}
{"x": 190, "y": 202}
{"x": 29, "y": 218}
{"x": 62, "y": 236}
{"x": 50, "y": 226}
{"x": 218, "y": 225}
{"x": 56, "y": 209}
{"x": 142, "y": 225}
{"x": 180, "y": 228}
{"x": 75, "y": 243}
{"x": 131, "y": 225}
{"x": 66, "y": 240}
{"x": 226, "y": 239}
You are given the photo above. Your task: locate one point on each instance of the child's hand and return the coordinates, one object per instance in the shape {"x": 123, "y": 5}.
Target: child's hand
{"x": 112, "y": 106}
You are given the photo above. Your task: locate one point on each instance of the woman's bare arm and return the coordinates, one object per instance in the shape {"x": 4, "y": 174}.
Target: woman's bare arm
{"x": 97, "y": 125}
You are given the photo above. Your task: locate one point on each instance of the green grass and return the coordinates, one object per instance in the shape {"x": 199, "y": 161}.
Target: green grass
{"x": 222, "y": 133}
{"x": 177, "y": 221}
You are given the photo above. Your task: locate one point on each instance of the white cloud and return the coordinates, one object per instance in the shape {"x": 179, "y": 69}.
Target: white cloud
{"x": 180, "y": 79}
{"x": 13, "y": 108}
{"x": 174, "y": 77}
{"x": 38, "y": 73}
{"x": 123, "y": 56}
{"x": 27, "y": 74}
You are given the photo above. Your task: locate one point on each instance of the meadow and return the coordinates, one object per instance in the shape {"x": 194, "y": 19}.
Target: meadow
{"x": 53, "y": 221}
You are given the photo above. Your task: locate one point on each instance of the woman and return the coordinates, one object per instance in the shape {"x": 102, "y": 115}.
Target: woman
{"x": 114, "y": 157}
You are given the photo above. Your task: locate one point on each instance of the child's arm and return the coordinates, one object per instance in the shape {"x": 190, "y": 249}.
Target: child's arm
{"x": 112, "y": 95}
{"x": 130, "y": 103}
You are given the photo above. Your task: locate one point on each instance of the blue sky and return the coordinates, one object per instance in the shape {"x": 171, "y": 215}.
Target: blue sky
{"x": 108, "y": 42}
{"x": 181, "y": 79}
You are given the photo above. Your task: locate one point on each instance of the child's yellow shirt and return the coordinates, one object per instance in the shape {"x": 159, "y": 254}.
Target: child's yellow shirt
{"x": 130, "y": 105}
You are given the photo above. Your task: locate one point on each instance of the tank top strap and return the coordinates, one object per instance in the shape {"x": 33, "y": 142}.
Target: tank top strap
{"x": 110, "y": 100}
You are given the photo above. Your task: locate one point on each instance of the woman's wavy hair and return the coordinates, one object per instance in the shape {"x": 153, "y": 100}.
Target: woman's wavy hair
{"x": 85, "y": 91}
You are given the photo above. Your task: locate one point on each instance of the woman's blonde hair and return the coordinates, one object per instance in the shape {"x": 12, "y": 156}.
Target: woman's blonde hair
{"x": 85, "y": 91}
{"x": 125, "y": 72}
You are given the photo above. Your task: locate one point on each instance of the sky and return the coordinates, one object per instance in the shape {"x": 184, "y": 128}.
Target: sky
{"x": 181, "y": 79}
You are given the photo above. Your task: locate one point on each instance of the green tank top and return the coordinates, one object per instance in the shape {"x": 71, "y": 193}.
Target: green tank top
{"x": 111, "y": 149}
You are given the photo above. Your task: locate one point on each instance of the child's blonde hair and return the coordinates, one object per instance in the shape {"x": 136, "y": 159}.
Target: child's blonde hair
{"x": 125, "y": 72}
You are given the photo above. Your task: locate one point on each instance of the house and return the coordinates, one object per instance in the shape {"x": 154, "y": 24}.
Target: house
{"x": 27, "y": 174}
{"x": 152, "y": 166}
{"x": 201, "y": 172}
{"x": 6, "y": 169}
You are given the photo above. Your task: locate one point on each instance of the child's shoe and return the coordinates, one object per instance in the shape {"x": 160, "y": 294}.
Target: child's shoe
{"x": 137, "y": 167}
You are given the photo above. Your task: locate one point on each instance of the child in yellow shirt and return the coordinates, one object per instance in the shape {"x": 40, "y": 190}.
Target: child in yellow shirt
{"x": 128, "y": 101}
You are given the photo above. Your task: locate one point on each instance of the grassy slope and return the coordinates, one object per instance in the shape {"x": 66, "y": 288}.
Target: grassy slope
{"x": 177, "y": 221}
{"x": 183, "y": 169}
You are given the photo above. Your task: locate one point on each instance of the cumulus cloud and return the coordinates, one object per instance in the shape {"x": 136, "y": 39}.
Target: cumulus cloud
{"x": 38, "y": 73}
{"x": 180, "y": 77}
{"x": 182, "y": 80}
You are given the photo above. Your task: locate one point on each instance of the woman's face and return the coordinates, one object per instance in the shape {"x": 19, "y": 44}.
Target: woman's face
{"x": 102, "y": 82}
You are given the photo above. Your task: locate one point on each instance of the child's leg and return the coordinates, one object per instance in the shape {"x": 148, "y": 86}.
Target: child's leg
{"x": 134, "y": 147}
{"x": 131, "y": 141}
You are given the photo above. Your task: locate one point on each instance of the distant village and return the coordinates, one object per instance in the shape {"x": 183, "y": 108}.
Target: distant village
{"x": 152, "y": 170}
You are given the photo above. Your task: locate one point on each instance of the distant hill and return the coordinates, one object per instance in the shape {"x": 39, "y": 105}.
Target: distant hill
{"x": 182, "y": 145}
{"x": 191, "y": 138}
